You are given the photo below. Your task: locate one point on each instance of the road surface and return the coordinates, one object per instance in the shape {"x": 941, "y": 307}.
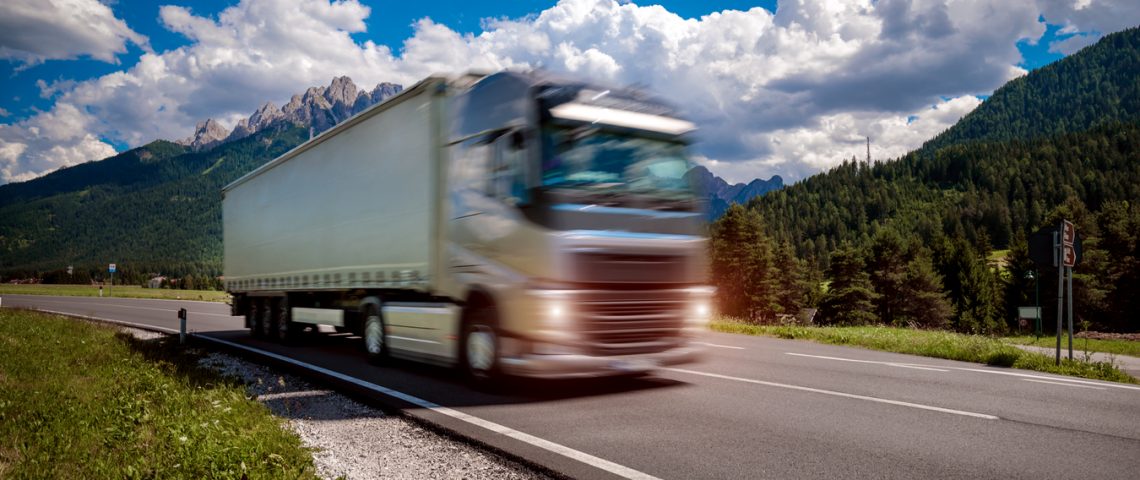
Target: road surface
{"x": 754, "y": 408}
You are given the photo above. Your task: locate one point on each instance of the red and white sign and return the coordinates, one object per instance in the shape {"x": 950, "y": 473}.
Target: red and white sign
{"x": 1068, "y": 233}
{"x": 1068, "y": 255}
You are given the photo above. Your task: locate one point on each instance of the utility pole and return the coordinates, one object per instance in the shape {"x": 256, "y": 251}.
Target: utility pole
{"x": 868, "y": 150}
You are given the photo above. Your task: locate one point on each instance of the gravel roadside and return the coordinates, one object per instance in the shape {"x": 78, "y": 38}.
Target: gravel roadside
{"x": 352, "y": 440}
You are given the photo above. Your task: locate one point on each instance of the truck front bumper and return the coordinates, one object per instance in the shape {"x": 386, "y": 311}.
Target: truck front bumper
{"x": 582, "y": 366}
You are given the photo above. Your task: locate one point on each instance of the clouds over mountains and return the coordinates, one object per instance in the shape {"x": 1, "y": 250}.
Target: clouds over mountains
{"x": 786, "y": 93}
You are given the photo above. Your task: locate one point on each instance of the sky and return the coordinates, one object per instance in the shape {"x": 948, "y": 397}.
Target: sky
{"x": 777, "y": 87}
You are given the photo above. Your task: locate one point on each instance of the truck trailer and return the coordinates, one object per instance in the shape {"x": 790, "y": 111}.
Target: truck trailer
{"x": 518, "y": 223}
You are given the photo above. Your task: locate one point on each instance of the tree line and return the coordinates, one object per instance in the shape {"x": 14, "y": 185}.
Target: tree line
{"x": 940, "y": 240}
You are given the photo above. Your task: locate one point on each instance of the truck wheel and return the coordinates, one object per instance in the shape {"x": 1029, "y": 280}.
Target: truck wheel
{"x": 375, "y": 338}
{"x": 253, "y": 319}
{"x": 480, "y": 350}
{"x": 287, "y": 330}
{"x": 268, "y": 323}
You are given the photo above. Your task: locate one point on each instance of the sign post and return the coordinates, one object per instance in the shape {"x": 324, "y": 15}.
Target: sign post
{"x": 1066, "y": 258}
{"x": 111, "y": 268}
{"x": 1060, "y": 288}
{"x": 1058, "y": 247}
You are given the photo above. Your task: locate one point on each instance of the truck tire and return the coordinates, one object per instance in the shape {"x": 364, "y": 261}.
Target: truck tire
{"x": 253, "y": 319}
{"x": 268, "y": 322}
{"x": 375, "y": 336}
{"x": 479, "y": 352}
{"x": 287, "y": 330}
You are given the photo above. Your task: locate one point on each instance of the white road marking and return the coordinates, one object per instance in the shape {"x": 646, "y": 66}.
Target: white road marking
{"x": 1055, "y": 379}
{"x": 115, "y": 305}
{"x": 839, "y": 394}
{"x": 1062, "y": 384}
{"x": 891, "y": 364}
{"x": 718, "y": 346}
{"x": 108, "y": 320}
{"x": 600, "y": 463}
{"x": 981, "y": 370}
{"x": 614, "y": 468}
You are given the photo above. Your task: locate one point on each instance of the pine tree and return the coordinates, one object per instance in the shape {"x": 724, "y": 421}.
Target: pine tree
{"x": 788, "y": 280}
{"x": 888, "y": 268}
{"x": 924, "y": 302}
{"x": 742, "y": 265}
{"x": 850, "y": 297}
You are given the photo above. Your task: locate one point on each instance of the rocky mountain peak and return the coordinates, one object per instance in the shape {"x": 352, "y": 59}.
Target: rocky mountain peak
{"x": 341, "y": 92}
{"x": 721, "y": 195}
{"x": 318, "y": 107}
{"x": 206, "y": 135}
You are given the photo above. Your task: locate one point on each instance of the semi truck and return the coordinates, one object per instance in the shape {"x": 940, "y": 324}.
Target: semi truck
{"x": 511, "y": 224}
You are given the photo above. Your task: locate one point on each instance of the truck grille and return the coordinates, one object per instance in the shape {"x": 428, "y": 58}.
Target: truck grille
{"x": 622, "y": 268}
{"x": 632, "y": 322}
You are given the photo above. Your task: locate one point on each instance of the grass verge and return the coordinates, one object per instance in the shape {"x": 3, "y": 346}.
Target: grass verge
{"x": 932, "y": 343}
{"x": 1118, "y": 347}
{"x": 130, "y": 291}
{"x": 82, "y": 400}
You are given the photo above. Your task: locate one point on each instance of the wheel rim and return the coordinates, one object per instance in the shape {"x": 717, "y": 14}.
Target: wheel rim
{"x": 266, "y": 319}
{"x": 374, "y": 335}
{"x": 282, "y": 321}
{"x": 480, "y": 350}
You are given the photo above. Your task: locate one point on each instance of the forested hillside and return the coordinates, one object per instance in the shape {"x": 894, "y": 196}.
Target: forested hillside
{"x": 155, "y": 209}
{"x": 1063, "y": 142}
{"x": 1099, "y": 84}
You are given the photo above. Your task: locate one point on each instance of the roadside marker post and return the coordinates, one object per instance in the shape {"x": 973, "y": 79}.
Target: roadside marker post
{"x": 182, "y": 326}
{"x": 111, "y": 268}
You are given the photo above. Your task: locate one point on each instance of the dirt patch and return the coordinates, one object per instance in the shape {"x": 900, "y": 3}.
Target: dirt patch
{"x": 1135, "y": 337}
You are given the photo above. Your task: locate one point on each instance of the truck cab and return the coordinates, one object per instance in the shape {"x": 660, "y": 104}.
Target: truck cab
{"x": 573, "y": 225}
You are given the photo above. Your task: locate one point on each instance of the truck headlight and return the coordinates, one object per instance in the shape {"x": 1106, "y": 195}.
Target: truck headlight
{"x": 553, "y": 311}
{"x": 556, "y": 314}
{"x": 700, "y": 310}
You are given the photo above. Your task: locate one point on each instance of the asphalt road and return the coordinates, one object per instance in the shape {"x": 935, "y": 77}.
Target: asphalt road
{"x": 754, "y": 408}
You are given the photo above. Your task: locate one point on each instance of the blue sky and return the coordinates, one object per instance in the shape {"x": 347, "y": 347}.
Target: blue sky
{"x": 785, "y": 91}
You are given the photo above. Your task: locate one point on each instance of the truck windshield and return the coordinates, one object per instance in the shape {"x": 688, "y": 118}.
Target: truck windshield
{"x": 595, "y": 159}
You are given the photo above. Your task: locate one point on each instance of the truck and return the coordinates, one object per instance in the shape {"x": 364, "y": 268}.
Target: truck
{"x": 512, "y": 224}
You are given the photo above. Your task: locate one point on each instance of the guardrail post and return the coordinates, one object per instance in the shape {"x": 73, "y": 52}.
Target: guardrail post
{"x": 182, "y": 326}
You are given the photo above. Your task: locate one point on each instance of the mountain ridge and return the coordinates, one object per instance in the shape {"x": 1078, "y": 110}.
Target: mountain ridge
{"x": 318, "y": 107}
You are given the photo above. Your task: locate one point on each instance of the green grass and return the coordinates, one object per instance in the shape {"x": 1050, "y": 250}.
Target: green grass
{"x": 932, "y": 343}
{"x": 130, "y": 291}
{"x": 1118, "y": 347}
{"x": 81, "y": 400}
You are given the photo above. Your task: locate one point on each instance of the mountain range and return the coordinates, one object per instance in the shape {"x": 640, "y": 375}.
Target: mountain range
{"x": 157, "y": 208}
{"x": 319, "y": 108}
{"x": 720, "y": 195}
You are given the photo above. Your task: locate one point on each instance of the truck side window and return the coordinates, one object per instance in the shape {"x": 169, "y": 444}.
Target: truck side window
{"x": 508, "y": 169}
{"x": 472, "y": 160}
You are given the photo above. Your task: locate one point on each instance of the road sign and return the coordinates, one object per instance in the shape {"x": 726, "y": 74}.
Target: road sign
{"x": 1043, "y": 251}
{"x": 1068, "y": 255}
{"x": 1068, "y": 233}
{"x": 111, "y": 268}
{"x": 1029, "y": 312}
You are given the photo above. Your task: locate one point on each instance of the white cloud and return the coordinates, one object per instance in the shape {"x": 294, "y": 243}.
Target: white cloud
{"x": 786, "y": 93}
{"x": 48, "y": 141}
{"x": 1088, "y": 20}
{"x": 32, "y": 31}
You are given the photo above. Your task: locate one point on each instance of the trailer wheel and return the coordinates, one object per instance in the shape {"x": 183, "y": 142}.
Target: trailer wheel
{"x": 266, "y": 315}
{"x": 287, "y": 329}
{"x": 480, "y": 349}
{"x": 253, "y": 318}
{"x": 375, "y": 338}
